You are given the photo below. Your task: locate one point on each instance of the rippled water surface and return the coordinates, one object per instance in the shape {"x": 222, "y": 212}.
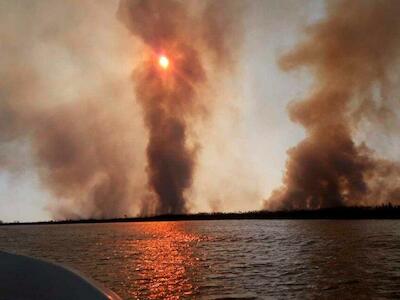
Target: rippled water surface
{"x": 225, "y": 259}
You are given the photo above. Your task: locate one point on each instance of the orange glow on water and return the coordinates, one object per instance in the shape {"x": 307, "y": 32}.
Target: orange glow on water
{"x": 167, "y": 263}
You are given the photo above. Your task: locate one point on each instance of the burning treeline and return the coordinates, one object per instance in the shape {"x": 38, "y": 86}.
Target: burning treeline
{"x": 353, "y": 54}
{"x": 181, "y": 47}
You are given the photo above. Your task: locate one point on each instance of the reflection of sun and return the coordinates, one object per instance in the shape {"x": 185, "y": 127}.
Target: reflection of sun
{"x": 166, "y": 262}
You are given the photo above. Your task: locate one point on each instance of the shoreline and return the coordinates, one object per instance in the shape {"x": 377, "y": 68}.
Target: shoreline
{"x": 385, "y": 212}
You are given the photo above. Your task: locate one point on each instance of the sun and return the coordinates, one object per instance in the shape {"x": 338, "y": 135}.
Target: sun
{"x": 163, "y": 62}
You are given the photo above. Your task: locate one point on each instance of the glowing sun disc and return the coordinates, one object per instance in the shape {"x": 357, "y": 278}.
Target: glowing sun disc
{"x": 164, "y": 62}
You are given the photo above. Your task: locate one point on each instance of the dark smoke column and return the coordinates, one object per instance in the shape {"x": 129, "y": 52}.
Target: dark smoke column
{"x": 166, "y": 83}
{"x": 163, "y": 97}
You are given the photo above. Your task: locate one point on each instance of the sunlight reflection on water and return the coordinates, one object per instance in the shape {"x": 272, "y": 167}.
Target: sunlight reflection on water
{"x": 166, "y": 265}
{"x": 247, "y": 259}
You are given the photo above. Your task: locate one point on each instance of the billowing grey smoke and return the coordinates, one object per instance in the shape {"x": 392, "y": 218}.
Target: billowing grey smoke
{"x": 60, "y": 100}
{"x": 352, "y": 54}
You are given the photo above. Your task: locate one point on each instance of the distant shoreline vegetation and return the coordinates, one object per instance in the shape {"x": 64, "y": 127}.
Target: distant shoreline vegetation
{"x": 387, "y": 211}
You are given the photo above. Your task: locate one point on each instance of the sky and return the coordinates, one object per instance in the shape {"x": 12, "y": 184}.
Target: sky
{"x": 70, "y": 51}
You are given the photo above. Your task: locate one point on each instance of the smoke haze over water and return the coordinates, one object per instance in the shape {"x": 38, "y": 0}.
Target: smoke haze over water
{"x": 354, "y": 56}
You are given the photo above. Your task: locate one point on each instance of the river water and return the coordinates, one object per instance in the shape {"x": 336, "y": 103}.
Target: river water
{"x": 245, "y": 259}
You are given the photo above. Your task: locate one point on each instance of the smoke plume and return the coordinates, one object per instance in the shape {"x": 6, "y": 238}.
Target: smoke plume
{"x": 67, "y": 111}
{"x": 353, "y": 54}
{"x": 197, "y": 43}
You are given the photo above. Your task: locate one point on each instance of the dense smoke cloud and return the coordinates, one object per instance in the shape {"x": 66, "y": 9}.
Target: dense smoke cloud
{"x": 67, "y": 113}
{"x": 66, "y": 101}
{"x": 353, "y": 55}
{"x": 197, "y": 43}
